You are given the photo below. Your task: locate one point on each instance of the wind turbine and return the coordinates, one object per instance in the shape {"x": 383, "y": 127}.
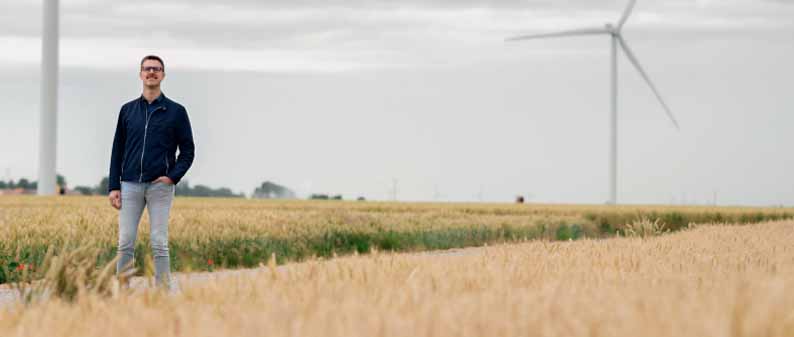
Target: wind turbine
{"x": 615, "y": 32}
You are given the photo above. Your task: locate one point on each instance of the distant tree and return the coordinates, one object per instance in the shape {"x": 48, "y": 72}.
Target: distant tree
{"x": 269, "y": 190}
{"x": 24, "y": 183}
{"x": 361, "y": 199}
{"x": 337, "y": 197}
{"x": 102, "y": 188}
{"x": 60, "y": 180}
{"x": 226, "y": 192}
{"x": 3, "y": 185}
{"x": 318, "y": 197}
{"x": 201, "y": 191}
{"x": 184, "y": 189}
{"x": 85, "y": 190}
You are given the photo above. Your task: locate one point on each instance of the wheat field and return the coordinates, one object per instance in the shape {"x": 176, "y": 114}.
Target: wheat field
{"x": 719, "y": 280}
{"x": 243, "y": 233}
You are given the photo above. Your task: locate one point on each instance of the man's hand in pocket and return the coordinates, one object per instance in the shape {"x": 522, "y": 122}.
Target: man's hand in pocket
{"x": 164, "y": 180}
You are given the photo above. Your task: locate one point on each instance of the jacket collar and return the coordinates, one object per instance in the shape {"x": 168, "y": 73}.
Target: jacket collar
{"x": 160, "y": 99}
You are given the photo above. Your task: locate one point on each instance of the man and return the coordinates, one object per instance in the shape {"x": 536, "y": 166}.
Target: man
{"x": 143, "y": 168}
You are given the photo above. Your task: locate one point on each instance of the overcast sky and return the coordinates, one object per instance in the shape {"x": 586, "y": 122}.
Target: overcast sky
{"x": 345, "y": 97}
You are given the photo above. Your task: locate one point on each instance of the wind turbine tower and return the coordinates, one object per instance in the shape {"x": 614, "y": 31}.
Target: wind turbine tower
{"x": 615, "y": 33}
{"x": 49, "y": 99}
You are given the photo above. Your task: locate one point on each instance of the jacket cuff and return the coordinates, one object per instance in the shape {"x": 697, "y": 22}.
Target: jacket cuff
{"x": 174, "y": 178}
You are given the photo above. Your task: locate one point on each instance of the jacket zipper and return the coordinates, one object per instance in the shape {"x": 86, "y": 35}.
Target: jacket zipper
{"x": 166, "y": 164}
{"x": 145, "y": 131}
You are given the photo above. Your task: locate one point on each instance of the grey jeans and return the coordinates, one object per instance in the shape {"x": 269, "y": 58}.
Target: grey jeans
{"x": 157, "y": 198}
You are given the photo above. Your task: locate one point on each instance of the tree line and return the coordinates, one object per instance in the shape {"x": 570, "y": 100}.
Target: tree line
{"x": 182, "y": 189}
{"x": 26, "y": 184}
{"x": 266, "y": 190}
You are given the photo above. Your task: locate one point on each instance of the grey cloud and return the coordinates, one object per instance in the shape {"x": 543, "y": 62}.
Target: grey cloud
{"x": 203, "y": 21}
{"x": 380, "y": 27}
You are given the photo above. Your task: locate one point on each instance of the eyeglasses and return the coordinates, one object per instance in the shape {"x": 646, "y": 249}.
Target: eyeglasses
{"x": 151, "y": 69}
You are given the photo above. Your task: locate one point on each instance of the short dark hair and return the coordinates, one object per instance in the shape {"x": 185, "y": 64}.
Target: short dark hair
{"x": 153, "y": 57}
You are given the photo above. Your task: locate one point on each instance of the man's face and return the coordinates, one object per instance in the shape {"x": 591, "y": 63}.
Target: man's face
{"x": 152, "y": 73}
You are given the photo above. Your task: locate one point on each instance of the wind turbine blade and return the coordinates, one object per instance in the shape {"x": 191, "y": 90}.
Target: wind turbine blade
{"x": 626, "y": 13}
{"x": 637, "y": 65}
{"x": 574, "y": 32}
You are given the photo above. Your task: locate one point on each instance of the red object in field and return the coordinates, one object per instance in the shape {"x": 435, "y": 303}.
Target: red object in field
{"x": 210, "y": 262}
{"x": 21, "y": 267}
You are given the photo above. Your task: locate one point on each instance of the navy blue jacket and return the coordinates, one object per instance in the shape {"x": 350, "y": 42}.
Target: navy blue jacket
{"x": 146, "y": 140}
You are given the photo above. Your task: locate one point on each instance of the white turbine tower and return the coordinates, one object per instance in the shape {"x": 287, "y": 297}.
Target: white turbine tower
{"x": 49, "y": 99}
{"x": 615, "y": 34}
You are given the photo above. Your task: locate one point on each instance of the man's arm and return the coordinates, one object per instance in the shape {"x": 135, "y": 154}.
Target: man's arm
{"x": 186, "y": 150}
{"x": 117, "y": 154}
